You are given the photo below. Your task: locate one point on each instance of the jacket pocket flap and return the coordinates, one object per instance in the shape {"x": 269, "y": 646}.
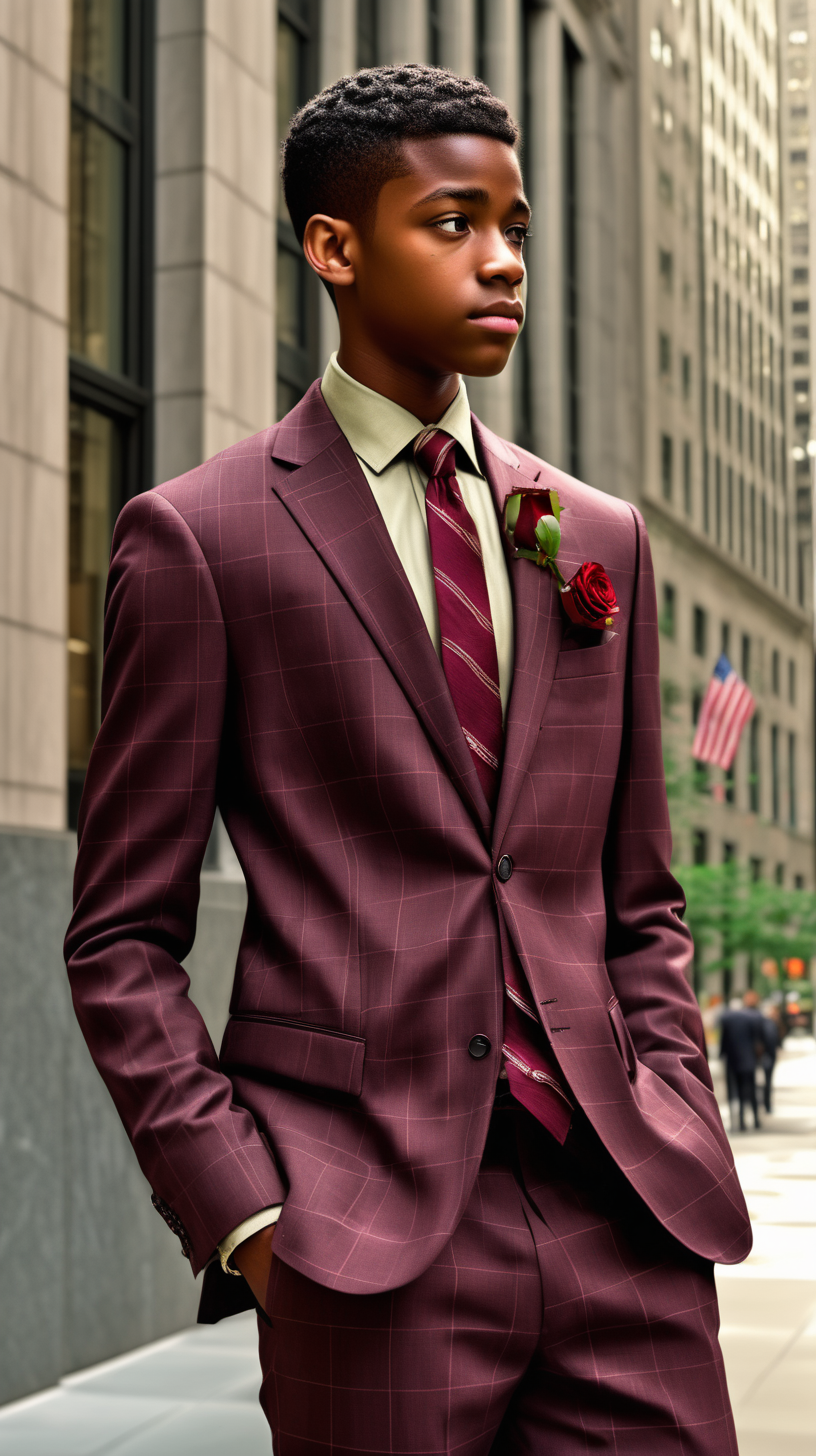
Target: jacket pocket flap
{"x": 589, "y": 661}
{"x": 295, "y": 1050}
{"x": 626, "y": 1046}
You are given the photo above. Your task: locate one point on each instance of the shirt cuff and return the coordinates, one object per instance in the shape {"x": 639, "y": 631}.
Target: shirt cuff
{"x": 245, "y": 1231}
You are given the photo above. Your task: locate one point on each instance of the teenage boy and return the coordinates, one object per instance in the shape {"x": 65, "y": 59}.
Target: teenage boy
{"x": 461, "y": 1141}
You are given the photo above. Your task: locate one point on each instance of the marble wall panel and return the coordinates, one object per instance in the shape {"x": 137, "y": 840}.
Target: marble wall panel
{"x": 88, "y": 1268}
{"x": 239, "y": 127}
{"x": 177, "y": 425}
{"x": 34, "y": 904}
{"x": 35, "y": 245}
{"x": 246, "y": 33}
{"x": 33, "y": 511}
{"x": 239, "y": 361}
{"x": 40, "y": 31}
{"x": 238, "y": 240}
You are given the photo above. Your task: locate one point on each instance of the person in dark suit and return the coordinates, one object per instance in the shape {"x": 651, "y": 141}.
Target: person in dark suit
{"x": 460, "y": 1144}
{"x": 772, "y": 1039}
{"x": 742, "y": 1040}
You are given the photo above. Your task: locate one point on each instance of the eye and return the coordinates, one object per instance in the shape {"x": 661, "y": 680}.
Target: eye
{"x": 453, "y": 225}
{"x": 518, "y": 233}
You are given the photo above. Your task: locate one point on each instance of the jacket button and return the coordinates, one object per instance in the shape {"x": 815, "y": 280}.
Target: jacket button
{"x": 479, "y": 1046}
{"x": 504, "y": 868}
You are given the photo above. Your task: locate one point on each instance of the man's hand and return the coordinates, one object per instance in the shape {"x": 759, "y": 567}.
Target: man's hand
{"x": 254, "y": 1259}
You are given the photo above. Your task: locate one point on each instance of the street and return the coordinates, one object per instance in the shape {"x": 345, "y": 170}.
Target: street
{"x": 195, "y": 1394}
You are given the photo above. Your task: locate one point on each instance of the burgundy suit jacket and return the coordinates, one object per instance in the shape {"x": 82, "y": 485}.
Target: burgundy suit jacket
{"x": 265, "y": 654}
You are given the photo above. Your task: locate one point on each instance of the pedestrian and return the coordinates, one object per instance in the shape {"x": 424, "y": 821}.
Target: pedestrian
{"x": 772, "y": 1039}
{"x": 461, "y": 1146}
{"x": 742, "y": 1040}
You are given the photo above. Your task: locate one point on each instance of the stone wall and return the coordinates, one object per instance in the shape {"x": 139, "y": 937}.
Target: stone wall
{"x": 87, "y": 1268}
{"x": 34, "y": 118}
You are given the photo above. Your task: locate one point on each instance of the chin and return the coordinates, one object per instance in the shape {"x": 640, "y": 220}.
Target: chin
{"x": 485, "y": 367}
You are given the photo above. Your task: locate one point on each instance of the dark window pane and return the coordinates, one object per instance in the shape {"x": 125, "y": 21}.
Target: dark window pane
{"x": 94, "y": 496}
{"x": 97, "y": 244}
{"x": 367, "y": 37}
{"x": 290, "y": 310}
{"x": 98, "y": 42}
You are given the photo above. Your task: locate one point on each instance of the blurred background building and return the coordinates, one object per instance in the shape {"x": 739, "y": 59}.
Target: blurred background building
{"x": 154, "y": 308}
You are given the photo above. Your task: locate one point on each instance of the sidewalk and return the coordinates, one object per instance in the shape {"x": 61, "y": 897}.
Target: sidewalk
{"x": 196, "y": 1394}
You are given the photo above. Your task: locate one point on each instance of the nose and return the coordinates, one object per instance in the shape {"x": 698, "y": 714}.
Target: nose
{"x": 501, "y": 261}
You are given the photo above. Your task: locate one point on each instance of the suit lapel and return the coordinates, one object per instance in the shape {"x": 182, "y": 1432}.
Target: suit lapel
{"x": 538, "y": 629}
{"x": 330, "y": 499}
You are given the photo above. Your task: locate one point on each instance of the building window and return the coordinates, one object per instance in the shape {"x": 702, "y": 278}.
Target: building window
{"x": 110, "y": 307}
{"x": 435, "y": 32}
{"x": 775, "y": 773}
{"x": 687, "y": 496}
{"x": 687, "y": 376}
{"x": 792, "y": 815}
{"x": 775, "y": 672}
{"x": 706, "y": 503}
{"x": 699, "y": 846}
{"x": 668, "y": 617}
{"x": 296, "y": 287}
{"x": 725, "y": 639}
{"x": 791, "y": 681}
{"x": 717, "y": 499}
{"x": 367, "y": 33}
{"x": 753, "y": 765}
{"x": 570, "y": 123}
{"x": 729, "y": 507}
{"x": 666, "y": 451}
{"x": 666, "y": 267}
{"x": 699, "y": 631}
{"x": 664, "y": 354}
{"x": 746, "y": 658}
{"x": 741, "y": 513}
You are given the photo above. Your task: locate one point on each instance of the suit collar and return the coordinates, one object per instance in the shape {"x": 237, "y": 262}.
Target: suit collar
{"x": 331, "y": 501}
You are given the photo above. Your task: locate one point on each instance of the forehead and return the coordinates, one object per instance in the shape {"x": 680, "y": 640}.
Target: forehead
{"x": 462, "y": 161}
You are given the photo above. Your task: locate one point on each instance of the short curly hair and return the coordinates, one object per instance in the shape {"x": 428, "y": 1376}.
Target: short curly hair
{"x": 344, "y": 144}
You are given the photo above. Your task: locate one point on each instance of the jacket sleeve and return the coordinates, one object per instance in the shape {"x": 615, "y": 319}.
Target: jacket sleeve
{"x": 648, "y": 947}
{"x": 146, "y": 815}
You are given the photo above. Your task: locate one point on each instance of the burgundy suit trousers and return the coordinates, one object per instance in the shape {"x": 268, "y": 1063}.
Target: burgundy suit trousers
{"x": 560, "y": 1318}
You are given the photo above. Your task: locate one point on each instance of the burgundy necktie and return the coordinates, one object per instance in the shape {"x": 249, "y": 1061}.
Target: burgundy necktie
{"x": 472, "y": 670}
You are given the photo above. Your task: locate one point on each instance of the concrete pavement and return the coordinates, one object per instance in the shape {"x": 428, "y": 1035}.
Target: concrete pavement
{"x": 195, "y": 1394}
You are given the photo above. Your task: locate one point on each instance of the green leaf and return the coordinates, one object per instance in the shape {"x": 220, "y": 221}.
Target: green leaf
{"x": 555, "y": 504}
{"x": 511, "y": 511}
{"x": 548, "y": 535}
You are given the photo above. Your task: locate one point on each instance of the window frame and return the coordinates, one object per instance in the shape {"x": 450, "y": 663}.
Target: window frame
{"x": 125, "y": 398}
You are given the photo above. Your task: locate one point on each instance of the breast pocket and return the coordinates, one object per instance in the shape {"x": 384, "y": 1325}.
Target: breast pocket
{"x": 589, "y": 661}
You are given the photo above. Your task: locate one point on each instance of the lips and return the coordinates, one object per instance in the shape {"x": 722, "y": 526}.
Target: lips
{"x": 501, "y": 317}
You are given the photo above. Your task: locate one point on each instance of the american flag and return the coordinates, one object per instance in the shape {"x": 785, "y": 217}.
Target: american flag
{"x": 727, "y": 706}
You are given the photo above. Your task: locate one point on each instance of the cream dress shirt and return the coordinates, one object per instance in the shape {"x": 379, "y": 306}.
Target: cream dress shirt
{"x": 381, "y": 433}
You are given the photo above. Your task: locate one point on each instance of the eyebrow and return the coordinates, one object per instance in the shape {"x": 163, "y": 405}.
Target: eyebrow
{"x": 470, "y": 194}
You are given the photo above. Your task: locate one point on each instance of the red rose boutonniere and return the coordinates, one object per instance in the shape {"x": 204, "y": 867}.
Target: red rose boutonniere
{"x": 532, "y": 522}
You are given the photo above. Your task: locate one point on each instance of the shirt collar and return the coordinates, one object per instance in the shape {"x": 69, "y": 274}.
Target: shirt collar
{"x": 378, "y": 430}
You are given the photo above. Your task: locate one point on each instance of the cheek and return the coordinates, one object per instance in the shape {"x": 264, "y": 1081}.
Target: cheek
{"x": 414, "y": 284}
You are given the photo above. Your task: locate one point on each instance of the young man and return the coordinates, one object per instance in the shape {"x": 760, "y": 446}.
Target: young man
{"x": 461, "y": 1141}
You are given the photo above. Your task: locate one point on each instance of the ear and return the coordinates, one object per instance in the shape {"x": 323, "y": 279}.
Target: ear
{"x": 329, "y": 248}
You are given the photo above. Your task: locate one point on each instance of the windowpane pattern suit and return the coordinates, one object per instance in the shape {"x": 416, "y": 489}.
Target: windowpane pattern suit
{"x": 477, "y": 1287}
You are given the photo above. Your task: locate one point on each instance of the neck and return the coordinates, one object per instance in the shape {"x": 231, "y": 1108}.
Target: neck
{"x": 424, "y": 395}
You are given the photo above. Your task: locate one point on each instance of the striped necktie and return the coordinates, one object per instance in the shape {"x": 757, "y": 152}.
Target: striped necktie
{"x": 465, "y": 624}
{"x": 471, "y": 667}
